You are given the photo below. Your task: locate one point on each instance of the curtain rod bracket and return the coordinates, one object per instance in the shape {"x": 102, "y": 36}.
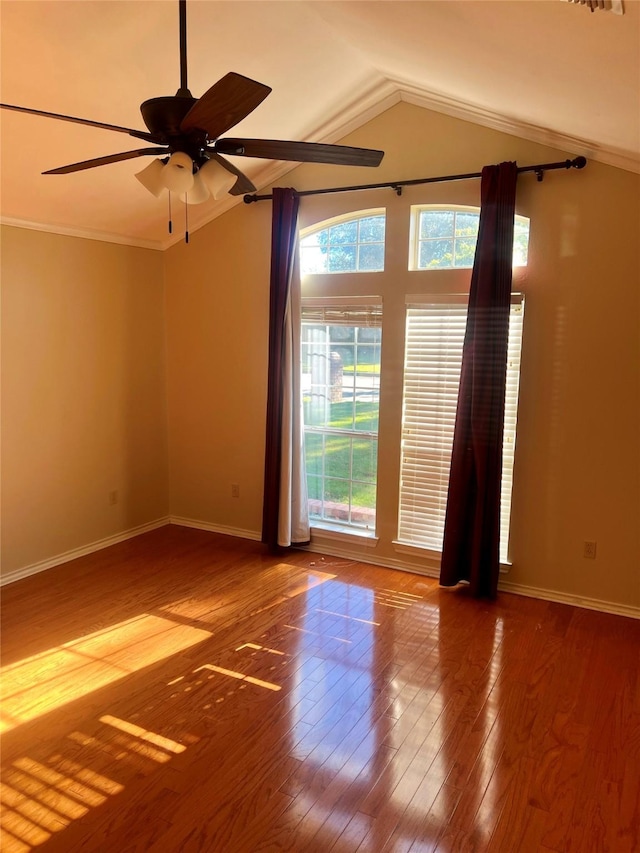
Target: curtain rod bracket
{"x": 540, "y": 175}
{"x": 397, "y": 189}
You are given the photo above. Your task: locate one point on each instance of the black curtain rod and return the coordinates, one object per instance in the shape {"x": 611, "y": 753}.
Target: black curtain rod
{"x": 540, "y": 169}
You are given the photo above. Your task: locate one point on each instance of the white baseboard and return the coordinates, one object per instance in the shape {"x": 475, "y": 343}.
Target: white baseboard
{"x": 334, "y": 550}
{"x": 330, "y": 548}
{"x": 74, "y": 553}
{"x": 574, "y": 600}
{"x": 255, "y": 535}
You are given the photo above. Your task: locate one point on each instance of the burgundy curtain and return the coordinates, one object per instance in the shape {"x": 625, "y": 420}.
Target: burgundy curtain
{"x": 470, "y": 550}
{"x": 283, "y": 243}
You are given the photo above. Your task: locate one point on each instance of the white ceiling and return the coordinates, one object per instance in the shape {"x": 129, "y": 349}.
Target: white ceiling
{"x": 547, "y": 70}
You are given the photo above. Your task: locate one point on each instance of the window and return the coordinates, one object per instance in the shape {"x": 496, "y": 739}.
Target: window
{"x": 435, "y": 329}
{"x": 340, "y": 352}
{"x": 445, "y": 238}
{"x": 350, "y": 244}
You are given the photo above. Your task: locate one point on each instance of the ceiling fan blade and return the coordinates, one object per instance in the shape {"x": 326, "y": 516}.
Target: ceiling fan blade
{"x": 138, "y": 134}
{"x": 302, "y": 152}
{"x": 103, "y": 161}
{"x": 226, "y": 103}
{"x": 243, "y": 184}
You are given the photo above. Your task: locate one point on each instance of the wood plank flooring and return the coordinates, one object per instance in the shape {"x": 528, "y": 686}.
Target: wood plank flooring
{"x": 185, "y": 692}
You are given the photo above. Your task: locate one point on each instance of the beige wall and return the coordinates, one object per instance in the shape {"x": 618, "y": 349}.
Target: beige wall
{"x": 217, "y": 327}
{"x": 83, "y": 393}
{"x": 577, "y": 467}
{"x": 86, "y": 411}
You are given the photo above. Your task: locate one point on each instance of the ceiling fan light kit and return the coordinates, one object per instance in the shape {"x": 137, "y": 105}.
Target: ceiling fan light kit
{"x": 151, "y": 178}
{"x": 189, "y": 131}
{"x": 216, "y": 178}
{"x": 180, "y": 174}
{"x": 177, "y": 175}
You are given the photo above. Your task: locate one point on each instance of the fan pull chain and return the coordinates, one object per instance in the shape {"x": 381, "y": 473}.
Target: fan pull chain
{"x": 186, "y": 219}
{"x": 170, "y": 222}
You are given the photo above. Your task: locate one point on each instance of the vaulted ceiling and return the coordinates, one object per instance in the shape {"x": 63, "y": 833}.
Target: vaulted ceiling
{"x": 547, "y": 70}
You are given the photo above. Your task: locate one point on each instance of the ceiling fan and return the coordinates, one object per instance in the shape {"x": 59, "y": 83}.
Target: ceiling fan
{"x": 186, "y": 132}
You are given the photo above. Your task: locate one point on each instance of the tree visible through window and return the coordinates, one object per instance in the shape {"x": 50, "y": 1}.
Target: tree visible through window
{"x": 350, "y": 245}
{"x": 446, "y": 237}
{"x": 341, "y": 340}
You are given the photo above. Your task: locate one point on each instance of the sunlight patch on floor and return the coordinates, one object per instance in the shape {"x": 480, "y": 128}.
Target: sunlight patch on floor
{"x": 51, "y": 679}
{"x": 143, "y": 734}
{"x": 230, "y": 673}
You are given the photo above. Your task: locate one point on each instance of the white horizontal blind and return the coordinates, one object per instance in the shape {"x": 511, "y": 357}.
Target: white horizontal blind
{"x": 435, "y": 332}
{"x": 354, "y": 311}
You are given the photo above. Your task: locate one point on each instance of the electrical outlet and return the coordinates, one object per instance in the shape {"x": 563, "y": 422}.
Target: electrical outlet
{"x": 589, "y": 551}
{"x": 235, "y": 490}
{"x": 113, "y": 497}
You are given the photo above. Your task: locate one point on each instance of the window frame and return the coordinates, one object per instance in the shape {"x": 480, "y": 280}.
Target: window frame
{"x": 415, "y": 241}
{"x": 367, "y": 307}
{"x": 342, "y": 219}
{"x": 436, "y": 426}
{"x": 394, "y": 285}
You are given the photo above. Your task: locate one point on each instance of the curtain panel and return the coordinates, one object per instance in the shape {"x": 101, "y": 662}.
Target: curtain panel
{"x": 285, "y": 519}
{"x": 472, "y": 525}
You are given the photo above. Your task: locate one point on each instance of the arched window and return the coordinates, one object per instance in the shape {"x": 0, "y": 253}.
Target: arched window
{"x": 445, "y": 237}
{"x": 349, "y": 243}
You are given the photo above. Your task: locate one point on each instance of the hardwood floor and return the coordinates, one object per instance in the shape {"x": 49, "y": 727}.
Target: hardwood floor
{"x": 187, "y": 692}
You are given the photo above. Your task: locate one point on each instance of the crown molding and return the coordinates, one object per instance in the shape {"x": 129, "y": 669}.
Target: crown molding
{"x": 83, "y": 233}
{"x": 417, "y": 96}
{"x": 373, "y": 99}
{"x": 370, "y": 101}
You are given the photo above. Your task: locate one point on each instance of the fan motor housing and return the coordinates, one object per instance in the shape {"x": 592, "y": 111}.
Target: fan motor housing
{"x": 163, "y": 116}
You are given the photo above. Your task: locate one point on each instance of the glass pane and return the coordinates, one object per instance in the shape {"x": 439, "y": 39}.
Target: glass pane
{"x": 467, "y": 224}
{"x": 363, "y": 506}
{"x": 520, "y": 244}
{"x": 313, "y": 259}
{"x": 313, "y": 453}
{"x": 337, "y": 453}
{"x": 314, "y": 239}
{"x": 371, "y": 257}
{"x": 337, "y": 492}
{"x": 339, "y": 334}
{"x": 436, "y": 253}
{"x": 372, "y": 229}
{"x": 342, "y": 259}
{"x": 317, "y": 409}
{"x": 346, "y": 232}
{"x": 364, "y": 464}
{"x": 314, "y": 488}
{"x": 342, "y": 414}
{"x": 368, "y": 357}
{"x": 367, "y": 414}
{"x": 369, "y": 335}
{"x": 436, "y": 223}
{"x": 344, "y": 351}
{"x": 465, "y": 251}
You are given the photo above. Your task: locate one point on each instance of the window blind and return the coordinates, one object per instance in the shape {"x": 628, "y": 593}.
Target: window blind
{"x": 353, "y": 311}
{"x": 435, "y": 329}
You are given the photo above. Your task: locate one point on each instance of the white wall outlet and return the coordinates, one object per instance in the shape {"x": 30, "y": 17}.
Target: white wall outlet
{"x": 235, "y": 490}
{"x": 589, "y": 550}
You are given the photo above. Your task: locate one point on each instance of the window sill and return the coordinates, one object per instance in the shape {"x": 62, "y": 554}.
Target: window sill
{"x": 323, "y": 530}
{"x": 432, "y": 557}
